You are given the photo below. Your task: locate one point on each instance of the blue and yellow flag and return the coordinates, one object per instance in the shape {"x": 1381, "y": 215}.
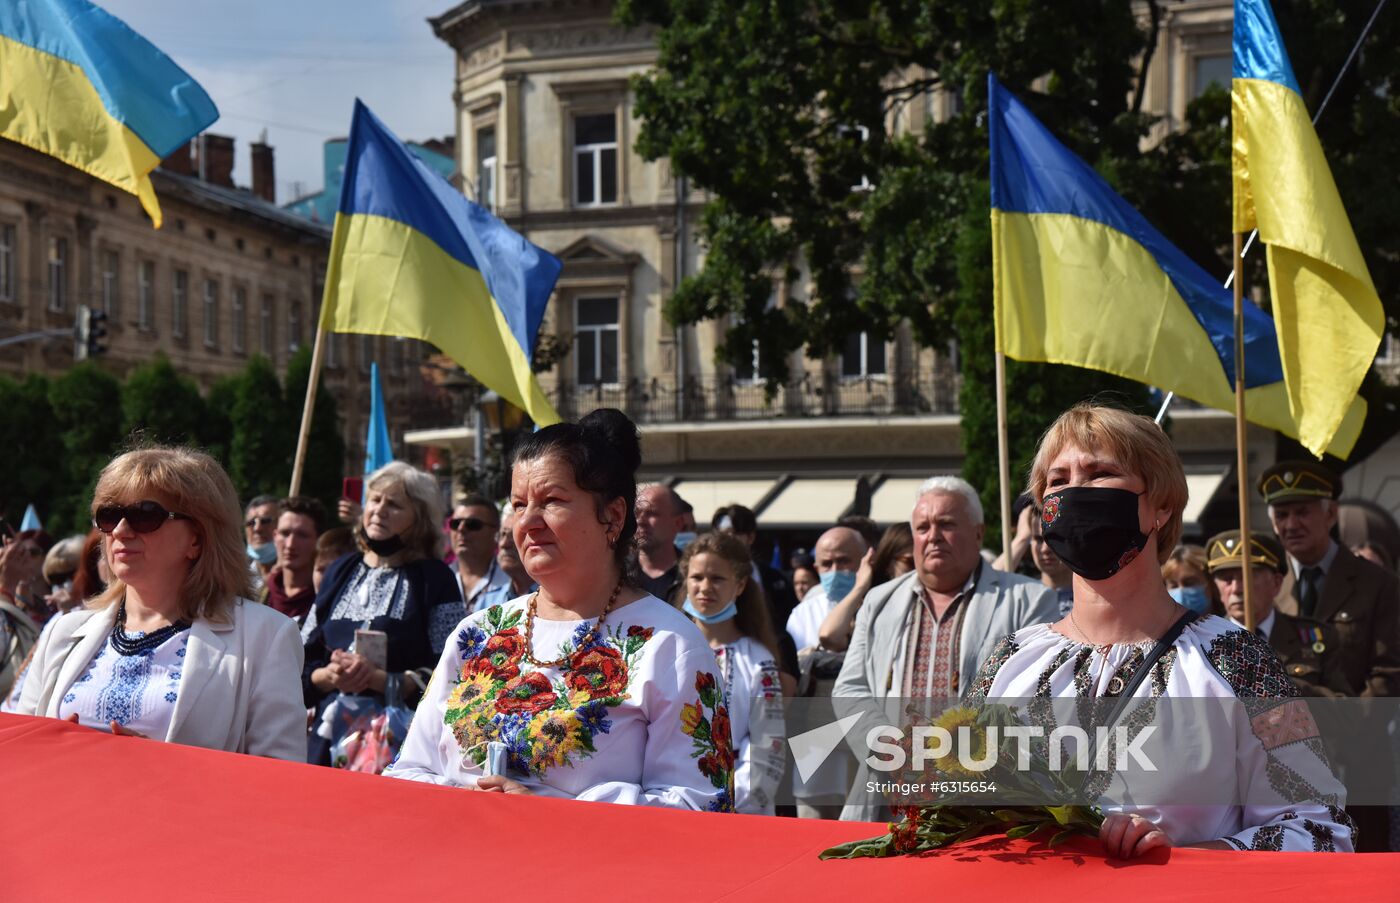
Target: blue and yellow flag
{"x": 78, "y": 84}
{"x": 411, "y": 256}
{"x": 1082, "y": 278}
{"x": 1326, "y": 310}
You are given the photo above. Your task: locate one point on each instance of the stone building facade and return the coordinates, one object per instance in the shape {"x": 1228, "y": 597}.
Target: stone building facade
{"x": 229, "y": 275}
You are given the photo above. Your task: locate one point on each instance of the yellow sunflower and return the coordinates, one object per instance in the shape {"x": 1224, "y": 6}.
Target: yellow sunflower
{"x": 951, "y": 721}
{"x": 553, "y": 736}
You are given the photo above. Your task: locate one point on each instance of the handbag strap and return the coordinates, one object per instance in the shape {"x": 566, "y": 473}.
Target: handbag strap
{"x": 1124, "y": 699}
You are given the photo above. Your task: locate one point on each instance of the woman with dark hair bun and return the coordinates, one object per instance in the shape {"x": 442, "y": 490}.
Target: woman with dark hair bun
{"x": 587, "y": 688}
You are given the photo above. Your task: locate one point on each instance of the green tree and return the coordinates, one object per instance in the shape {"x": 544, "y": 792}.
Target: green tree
{"x": 34, "y": 471}
{"x": 161, "y": 406}
{"x": 776, "y": 108}
{"x": 264, "y": 433}
{"x": 86, "y": 404}
{"x": 325, "y": 449}
{"x": 216, "y": 433}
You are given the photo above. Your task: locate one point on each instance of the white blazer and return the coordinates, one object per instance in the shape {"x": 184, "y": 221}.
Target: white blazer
{"x": 241, "y": 689}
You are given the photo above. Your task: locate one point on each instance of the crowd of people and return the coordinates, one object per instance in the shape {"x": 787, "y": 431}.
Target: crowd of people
{"x": 583, "y": 640}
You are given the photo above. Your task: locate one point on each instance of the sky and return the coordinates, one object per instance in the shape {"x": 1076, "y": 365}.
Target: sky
{"x": 295, "y": 67}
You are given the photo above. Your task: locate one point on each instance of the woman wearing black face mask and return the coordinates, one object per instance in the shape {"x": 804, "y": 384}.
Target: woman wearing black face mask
{"x": 392, "y": 585}
{"x": 1112, "y": 490}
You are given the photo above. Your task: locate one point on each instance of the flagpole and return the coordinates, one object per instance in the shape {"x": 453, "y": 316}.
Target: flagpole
{"x": 312, "y": 379}
{"x": 1004, "y": 461}
{"x": 1241, "y": 437}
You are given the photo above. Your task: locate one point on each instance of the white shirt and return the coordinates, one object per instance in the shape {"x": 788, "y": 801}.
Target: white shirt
{"x": 804, "y": 625}
{"x": 1266, "y": 626}
{"x": 136, "y": 691}
{"x": 629, "y": 719}
{"x": 1290, "y": 798}
{"x": 750, "y": 679}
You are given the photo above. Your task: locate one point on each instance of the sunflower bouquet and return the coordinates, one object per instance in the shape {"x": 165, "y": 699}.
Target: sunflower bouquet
{"x": 1022, "y": 782}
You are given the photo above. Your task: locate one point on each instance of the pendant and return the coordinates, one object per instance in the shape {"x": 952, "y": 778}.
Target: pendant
{"x": 1115, "y": 686}
{"x": 1319, "y": 647}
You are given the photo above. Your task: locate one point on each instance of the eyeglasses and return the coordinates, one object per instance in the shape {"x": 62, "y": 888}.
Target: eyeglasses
{"x": 470, "y": 524}
{"x": 252, "y": 522}
{"x": 143, "y": 517}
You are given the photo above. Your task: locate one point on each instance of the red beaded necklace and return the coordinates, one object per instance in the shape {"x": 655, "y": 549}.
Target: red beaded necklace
{"x": 584, "y": 643}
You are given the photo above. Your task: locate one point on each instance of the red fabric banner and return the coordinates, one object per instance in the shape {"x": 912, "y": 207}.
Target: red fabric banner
{"x": 88, "y": 816}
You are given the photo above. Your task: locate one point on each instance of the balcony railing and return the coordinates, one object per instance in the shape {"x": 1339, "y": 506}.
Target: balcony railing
{"x": 721, "y": 399}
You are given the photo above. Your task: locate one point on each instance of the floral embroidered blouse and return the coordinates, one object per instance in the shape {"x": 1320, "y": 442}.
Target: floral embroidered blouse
{"x": 750, "y": 680}
{"x": 1261, "y": 758}
{"x": 637, "y": 716}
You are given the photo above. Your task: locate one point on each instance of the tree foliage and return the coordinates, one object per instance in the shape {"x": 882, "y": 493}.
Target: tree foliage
{"x": 33, "y": 471}
{"x": 86, "y": 404}
{"x": 325, "y": 449}
{"x": 161, "y": 406}
{"x": 777, "y": 108}
{"x": 264, "y": 432}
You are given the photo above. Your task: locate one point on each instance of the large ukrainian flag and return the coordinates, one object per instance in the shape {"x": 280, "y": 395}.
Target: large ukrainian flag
{"x": 1326, "y": 310}
{"x": 411, "y": 256}
{"x": 1081, "y": 278}
{"x": 78, "y": 84}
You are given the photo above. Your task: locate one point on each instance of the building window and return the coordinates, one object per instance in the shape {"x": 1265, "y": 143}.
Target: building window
{"x": 857, "y": 136}
{"x": 750, "y": 368}
{"x": 596, "y": 341}
{"x": 366, "y": 352}
{"x": 58, "y": 274}
{"x": 265, "y": 328}
{"x": 211, "y": 313}
{"x": 179, "y": 303}
{"x": 486, "y": 168}
{"x": 294, "y": 326}
{"x": 7, "y": 262}
{"x": 240, "y": 317}
{"x": 400, "y": 355}
{"x": 332, "y": 350}
{"x": 111, "y": 284}
{"x": 1389, "y": 354}
{"x": 1210, "y": 70}
{"x": 864, "y": 355}
{"x": 595, "y": 159}
{"x": 146, "y": 295}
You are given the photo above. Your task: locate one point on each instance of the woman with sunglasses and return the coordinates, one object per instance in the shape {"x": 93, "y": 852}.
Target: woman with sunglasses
{"x": 395, "y": 585}
{"x": 173, "y": 649}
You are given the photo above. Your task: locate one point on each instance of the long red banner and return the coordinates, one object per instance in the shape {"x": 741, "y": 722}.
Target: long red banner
{"x": 88, "y": 816}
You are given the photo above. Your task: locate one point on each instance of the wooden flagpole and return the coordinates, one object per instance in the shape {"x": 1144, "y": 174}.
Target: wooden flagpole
{"x": 1004, "y": 461}
{"x": 1241, "y": 436}
{"x": 312, "y": 380}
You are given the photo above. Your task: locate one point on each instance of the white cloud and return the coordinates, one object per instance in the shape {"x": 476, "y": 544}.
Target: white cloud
{"x": 295, "y": 67}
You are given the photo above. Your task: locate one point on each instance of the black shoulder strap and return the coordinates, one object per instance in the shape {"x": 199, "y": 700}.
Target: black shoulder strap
{"x": 1166, "y": 642}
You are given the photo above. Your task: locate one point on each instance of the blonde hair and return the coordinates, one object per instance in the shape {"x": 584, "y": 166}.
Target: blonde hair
{"x": 193, "y": 484}
{"x": 424, "y": 539}
{"x": 1137, "y": 443}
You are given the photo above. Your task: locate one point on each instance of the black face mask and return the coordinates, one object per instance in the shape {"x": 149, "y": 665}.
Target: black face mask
{"x": 1093, "y": 531}
{"x": 385, "y": 548}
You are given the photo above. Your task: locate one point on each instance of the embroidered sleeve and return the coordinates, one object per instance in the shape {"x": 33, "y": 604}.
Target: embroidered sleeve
{"x": 424, "y": 755}
{"x": 759, "y": 744}
{"x": 987, "y": 674}
{"x": 1292, "y": 799}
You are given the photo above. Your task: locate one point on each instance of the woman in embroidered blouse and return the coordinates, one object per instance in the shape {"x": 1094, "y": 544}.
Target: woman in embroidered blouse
{"x": 587, "y": 688}
{"x": 172, "y": 648}
{"x": 727, "y": 605}
{"x": 1112, "y": 491}
{"x": 396, "y": 584}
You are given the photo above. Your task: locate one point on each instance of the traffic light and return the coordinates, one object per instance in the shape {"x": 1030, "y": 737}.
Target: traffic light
{"x": 89, "y": 333}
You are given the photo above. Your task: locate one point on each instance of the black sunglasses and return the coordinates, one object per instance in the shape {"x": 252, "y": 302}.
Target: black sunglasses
{"x": 257, "y": 521}
{"x": 472, "y": 524}
{"x": 143, "y": 517}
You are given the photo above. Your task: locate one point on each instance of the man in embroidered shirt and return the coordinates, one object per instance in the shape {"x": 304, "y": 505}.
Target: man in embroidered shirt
{"x": 924, "y": 635}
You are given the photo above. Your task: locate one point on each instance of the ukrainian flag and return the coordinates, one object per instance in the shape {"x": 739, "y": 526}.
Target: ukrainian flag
{"x": 1326, "y": 310}
{"x": 411, "y": 256}
{"x": 78, "y": 84}
{"x": 1081, "y": 278}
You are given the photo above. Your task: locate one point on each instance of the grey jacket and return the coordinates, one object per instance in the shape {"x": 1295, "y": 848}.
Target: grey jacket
{"x": 1000, "y": 604}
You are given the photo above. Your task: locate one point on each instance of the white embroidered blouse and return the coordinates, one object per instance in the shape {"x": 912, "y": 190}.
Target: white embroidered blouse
{"x": 1267, "y": 767}
{"x": 750, "y": 679}
{"x": 136, "y": 691}
{"x": 636, "y": 716}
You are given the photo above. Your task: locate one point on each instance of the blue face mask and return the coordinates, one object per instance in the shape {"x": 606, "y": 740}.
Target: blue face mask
{"x": 729, "y": 612}
{"x": 684, "y": 539}
{"x": 1193, "y": 597}
{"x": 264, "y": 554}
{"x": 838, "y": 584}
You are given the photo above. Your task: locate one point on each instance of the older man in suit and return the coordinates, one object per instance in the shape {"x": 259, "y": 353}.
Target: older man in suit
{"x": 1354, "y": 601}
{"x": 925, "y": 634}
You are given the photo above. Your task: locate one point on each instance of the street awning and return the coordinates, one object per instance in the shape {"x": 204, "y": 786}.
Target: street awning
{"x": 809, "y": 502}
{"x": 707, "y": 496}
{"x": 1200, "y": 489}
{"x": 893, "y": 500}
